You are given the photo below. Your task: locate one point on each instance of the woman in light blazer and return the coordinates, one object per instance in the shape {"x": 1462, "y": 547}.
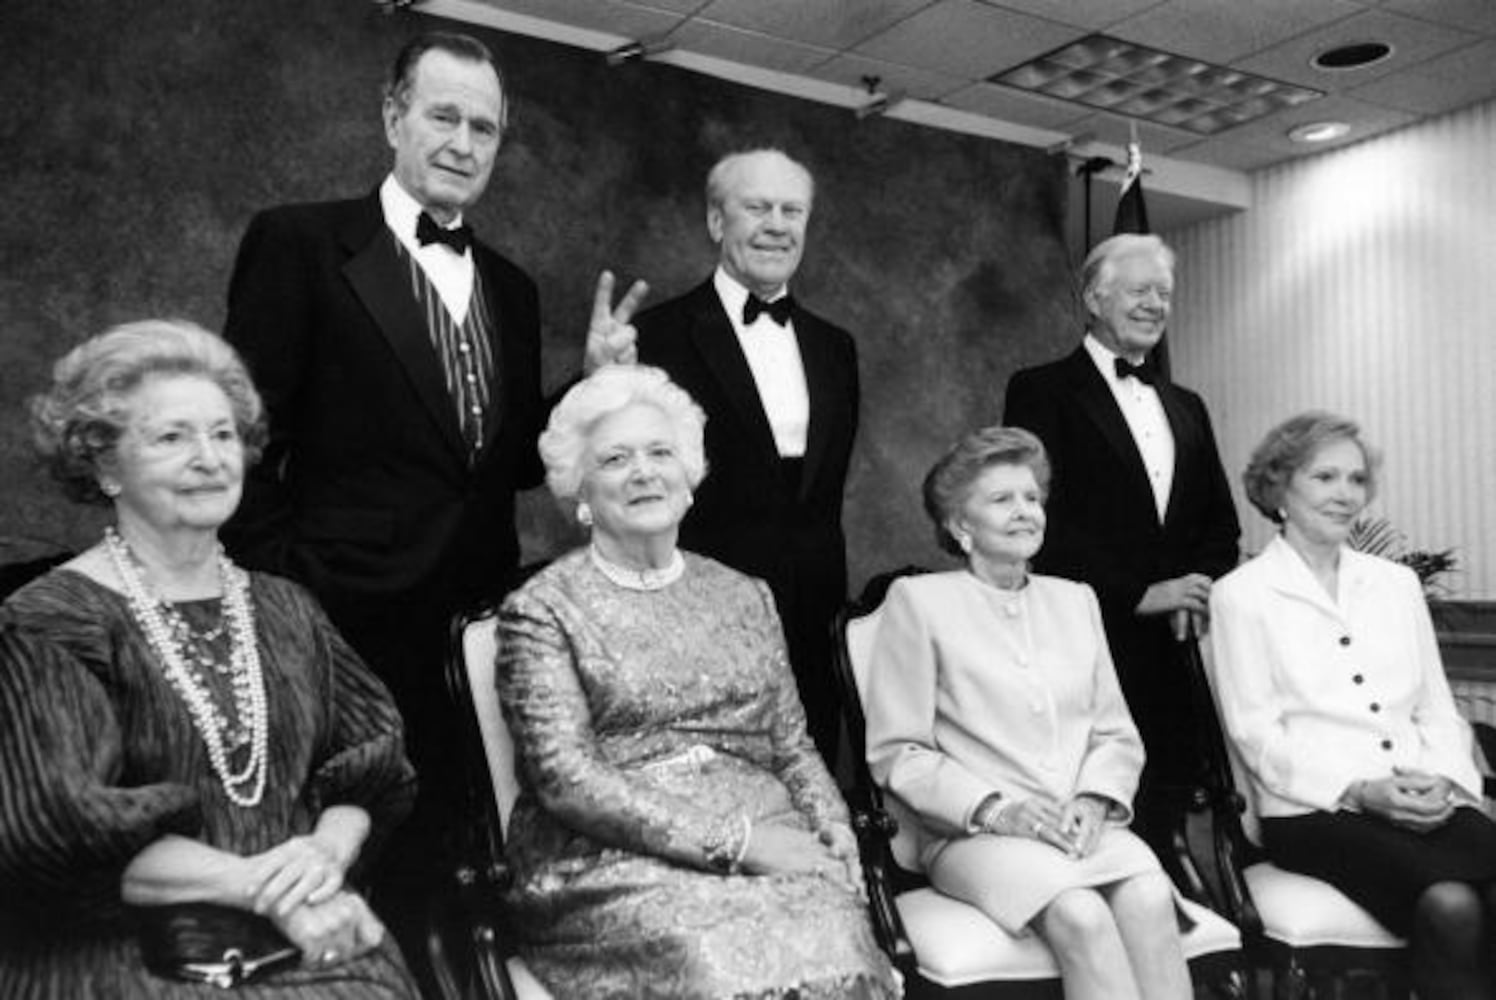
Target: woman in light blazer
{"x": 1330, "y": 686}
{"x": 994, "y": 715}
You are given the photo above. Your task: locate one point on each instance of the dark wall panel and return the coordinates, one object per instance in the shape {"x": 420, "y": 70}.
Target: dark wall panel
{"x": 140, "y": 137}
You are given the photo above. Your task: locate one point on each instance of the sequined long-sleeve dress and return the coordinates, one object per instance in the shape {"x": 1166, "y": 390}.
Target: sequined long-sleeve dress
{"x": 99, "y": 758}
{"x": 646, "y": 723}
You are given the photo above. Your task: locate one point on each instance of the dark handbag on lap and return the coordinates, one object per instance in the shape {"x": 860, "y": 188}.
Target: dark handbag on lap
{"x": 216, "y": 945}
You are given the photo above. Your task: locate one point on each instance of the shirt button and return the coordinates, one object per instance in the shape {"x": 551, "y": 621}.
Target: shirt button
{"x": 471, "y": 377}
{"x": 1358, "y": 679}
{"x": 1011, "y": 610}
{"x": 1386, "y": 744}
{"x": 476, "y": 410}
{"x": 1345, "y": 640}
{"x": 463, "y": 346}
{"x": 1376, "y": 706}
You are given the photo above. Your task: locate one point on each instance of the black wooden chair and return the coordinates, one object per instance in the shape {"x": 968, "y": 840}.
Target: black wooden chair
{"x": 1310, "y": 937}
{"x": 486, "y": 963}
{"x": 944, "y": 947}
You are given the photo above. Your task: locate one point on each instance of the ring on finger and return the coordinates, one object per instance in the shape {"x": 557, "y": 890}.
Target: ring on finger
{"x": 1038, "y": 828}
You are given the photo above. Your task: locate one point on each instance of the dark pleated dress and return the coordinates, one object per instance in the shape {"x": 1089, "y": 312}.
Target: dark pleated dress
{"x": 99, "y": 758}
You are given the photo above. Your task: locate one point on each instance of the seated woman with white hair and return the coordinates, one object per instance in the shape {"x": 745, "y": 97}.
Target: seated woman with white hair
{"x": 676, "y": 834}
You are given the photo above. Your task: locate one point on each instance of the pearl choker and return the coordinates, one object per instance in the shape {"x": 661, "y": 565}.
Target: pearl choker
{"x": 166, "y": 633}
{"x": 639, "y": 579}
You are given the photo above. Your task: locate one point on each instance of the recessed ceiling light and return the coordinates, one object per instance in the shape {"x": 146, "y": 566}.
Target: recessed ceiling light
{"x": 1151, "y": 85}
{"x": 1352, "y": 56}
{"x": 1312, "y": 132}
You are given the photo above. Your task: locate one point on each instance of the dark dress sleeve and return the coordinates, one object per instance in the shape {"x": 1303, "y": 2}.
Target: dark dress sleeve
{"x": 68, "y": 826}
{"x": 361, "y": 758}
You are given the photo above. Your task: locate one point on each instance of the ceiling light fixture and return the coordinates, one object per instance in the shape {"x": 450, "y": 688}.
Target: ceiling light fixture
{"x": 1356, "y": 55}
{"x": 1151, "y": 85}
{"x": 1316, "y": 132}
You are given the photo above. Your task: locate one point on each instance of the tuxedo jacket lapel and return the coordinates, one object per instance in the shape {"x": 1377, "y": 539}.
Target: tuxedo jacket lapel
{"x": 1096, "y": 400}
{"x": 382, "y": 282}
{"x": 713, "y": 335}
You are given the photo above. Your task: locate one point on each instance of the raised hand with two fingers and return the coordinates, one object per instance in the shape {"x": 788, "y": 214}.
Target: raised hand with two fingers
{"x": 611, "y": 337}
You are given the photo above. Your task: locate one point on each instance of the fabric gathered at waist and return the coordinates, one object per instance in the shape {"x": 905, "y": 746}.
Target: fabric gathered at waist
{"x": 692, "y": 760}
{"x": 679, "y": 752}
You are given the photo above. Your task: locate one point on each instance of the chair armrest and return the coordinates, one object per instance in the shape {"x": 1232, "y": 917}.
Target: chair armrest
{"x": 478, "y": 890}
{"x": 875, "y": 828}
{"x": 1233, "y": 854}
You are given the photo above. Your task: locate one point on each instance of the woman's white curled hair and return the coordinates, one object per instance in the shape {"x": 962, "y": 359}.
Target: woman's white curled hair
{"x": 563, "y": 445}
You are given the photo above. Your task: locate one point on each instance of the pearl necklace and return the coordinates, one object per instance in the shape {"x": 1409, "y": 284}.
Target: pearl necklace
{"x": 167, "y": 633}
{"x": 639, "y": 579}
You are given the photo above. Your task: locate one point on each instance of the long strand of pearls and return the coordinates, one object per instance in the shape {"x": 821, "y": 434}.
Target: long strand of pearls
{"x": 246, "y": 673}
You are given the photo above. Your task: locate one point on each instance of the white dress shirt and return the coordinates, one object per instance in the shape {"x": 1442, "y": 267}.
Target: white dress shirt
{"x": 1146, "y": 419}
{"x": 451, "y": 273}
{"x": 773, "y": 355}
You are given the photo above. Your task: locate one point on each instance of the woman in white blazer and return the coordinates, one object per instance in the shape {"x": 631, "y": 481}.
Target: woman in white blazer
{"x": 994, "y": 715}
{"x": 1330, "y": 686}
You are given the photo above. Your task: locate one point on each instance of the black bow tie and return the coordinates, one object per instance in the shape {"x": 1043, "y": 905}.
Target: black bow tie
{"x": 427, "y": 231}
{"x": 780, "y": 310}
{"x": 1144, "y": 372}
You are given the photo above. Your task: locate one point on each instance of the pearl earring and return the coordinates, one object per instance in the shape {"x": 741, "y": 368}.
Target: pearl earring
{"x": 964, "y": 541}
{"x": 584, "y": 514}
{"x": 109, "y": 488}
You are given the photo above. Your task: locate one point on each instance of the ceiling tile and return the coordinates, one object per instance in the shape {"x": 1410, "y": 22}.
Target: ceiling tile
{"x": 966, "y": 38}
{"x": 996, "y": 101}
{"x": 1117, "y": 131}
{"x": 1089, "y": 14}
{"x": 1473, "y": 15}
{"x": 1226, "y": 30}
{"x": 836, "y": 24}
{"x": 849, "y": 70}
{"x": 750, "y": 47}
{"x": 1442, "y": 84}
{"x": 1232, "y": 154}
{"x": 626, "y": 19}
{"x": 1412, "y": 42}
{"x": 1270, "y": 135}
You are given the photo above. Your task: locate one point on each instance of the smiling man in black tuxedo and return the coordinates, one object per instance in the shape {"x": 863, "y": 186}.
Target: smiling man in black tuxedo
{"x": 1139, "y": 507}
{"x": 780, "y": 389}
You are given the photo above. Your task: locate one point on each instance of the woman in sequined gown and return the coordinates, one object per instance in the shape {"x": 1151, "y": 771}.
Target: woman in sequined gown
{"x": 676, "y": 833}
{"x": 994, "y": 716}
{"x": 177, "y": 733}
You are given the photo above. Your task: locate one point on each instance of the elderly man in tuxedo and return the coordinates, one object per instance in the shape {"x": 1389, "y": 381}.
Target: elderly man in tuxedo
{"x": 399, "y": 360}
{"x": 780, "y": 388}
{"x": 1139, "y": 508}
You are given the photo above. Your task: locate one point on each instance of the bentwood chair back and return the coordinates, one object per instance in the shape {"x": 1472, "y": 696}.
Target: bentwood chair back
{"x": 492, "y": 790}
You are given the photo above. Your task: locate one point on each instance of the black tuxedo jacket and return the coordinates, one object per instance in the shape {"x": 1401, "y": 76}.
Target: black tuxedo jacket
{"x": 365, "y": 491}
{"x": 745, "y": 514}
{"x": 1104, "y": 527}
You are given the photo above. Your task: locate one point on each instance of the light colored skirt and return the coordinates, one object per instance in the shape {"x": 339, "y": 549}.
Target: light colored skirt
{"x": 1011, "y": 879}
